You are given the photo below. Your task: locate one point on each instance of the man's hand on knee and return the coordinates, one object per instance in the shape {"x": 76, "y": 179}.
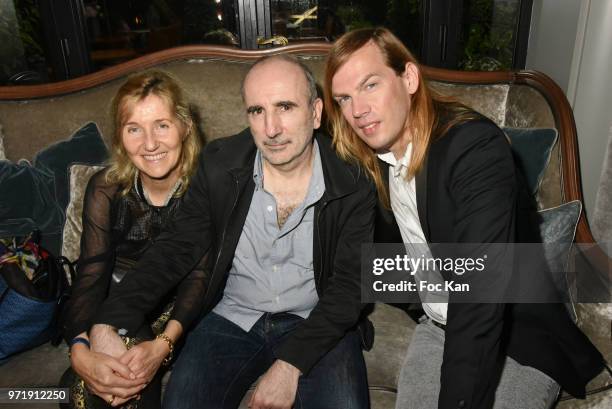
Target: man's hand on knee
{"x": 105, "y": 339}
{"x": 277, "y": 388}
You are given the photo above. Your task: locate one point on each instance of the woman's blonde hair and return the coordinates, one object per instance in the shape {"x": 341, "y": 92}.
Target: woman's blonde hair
{"x": 121, "y": 169}
{"x": 426, "y": 108}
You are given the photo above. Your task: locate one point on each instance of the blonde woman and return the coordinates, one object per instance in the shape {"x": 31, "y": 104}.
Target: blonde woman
{"x": 155, "y": 149}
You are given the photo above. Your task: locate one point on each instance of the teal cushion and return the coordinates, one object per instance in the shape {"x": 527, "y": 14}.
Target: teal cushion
{"x": 35, "y": 197}
{"x": 85, "y": 146}
{"x": 532, "y": 148}
{"x": 19, "y": 227}
{"x": 28, "y": 203}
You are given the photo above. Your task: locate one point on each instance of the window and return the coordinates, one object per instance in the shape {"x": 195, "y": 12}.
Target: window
{"x": 476, "y": 35}
{"x": 52, "y": 40}
{"x": 22, "y": 54}
{"x": 490, "y": 35}
{"x": 326, "y": 20}
{"x": 122, "y": 30}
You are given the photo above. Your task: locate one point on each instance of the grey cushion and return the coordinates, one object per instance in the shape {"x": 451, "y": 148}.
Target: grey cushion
{"x": 557, "y": 229}
{"x": 558, "y": 226}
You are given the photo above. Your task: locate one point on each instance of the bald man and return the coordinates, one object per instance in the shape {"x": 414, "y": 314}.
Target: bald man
{"x": 284, "y": 218}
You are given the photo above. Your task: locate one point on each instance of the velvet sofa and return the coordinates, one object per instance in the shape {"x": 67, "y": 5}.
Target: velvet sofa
{"x": 35, "y": 117}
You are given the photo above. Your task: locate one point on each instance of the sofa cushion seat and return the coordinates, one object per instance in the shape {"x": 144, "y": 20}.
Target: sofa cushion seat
{"x": 42, "y": 366}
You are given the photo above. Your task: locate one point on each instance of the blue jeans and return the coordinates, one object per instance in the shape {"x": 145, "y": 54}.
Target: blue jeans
{"x": 220, "y": 361}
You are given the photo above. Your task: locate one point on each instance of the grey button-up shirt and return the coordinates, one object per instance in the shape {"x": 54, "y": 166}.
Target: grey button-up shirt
{"x": 272, "y": 270}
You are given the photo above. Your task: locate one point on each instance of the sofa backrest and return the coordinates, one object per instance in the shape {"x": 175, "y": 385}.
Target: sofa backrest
{"x": 35, "y": 116}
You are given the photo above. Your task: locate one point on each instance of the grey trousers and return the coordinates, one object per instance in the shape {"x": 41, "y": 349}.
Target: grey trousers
{"x": 520, "y": 387}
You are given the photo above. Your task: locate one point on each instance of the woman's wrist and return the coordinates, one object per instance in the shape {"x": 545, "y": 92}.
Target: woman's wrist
{"x": 79, "y": 343}
{"x": 80, "y": 340}
{"x": 167, "y": 345}
{"x": 78, "y": 355}
{"x": 173, "y": 330}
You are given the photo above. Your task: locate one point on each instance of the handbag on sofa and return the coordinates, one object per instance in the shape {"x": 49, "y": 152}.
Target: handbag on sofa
{"x": 33, "y": 287}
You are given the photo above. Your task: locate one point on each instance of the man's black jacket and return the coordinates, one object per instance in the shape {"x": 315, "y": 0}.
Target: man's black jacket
{"x": 210, "y": 221}
{"x": 469, "y": 191}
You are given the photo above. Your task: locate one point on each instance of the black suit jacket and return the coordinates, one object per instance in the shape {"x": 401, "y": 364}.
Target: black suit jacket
{"x": 469, "y": 191}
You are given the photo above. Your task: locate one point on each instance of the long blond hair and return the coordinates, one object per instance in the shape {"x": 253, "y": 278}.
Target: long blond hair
{"x": 137, "y": 88}
{"x": 426, "y": 108}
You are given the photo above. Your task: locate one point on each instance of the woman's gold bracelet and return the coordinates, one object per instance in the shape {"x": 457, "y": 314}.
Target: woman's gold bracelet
{"x": 170, "y": 346}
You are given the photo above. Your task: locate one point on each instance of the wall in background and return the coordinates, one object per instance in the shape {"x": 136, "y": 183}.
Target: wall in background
{"x": 590, "y": 93}
{"x": 552, "y": 36}
{"x": 570, "y": 42}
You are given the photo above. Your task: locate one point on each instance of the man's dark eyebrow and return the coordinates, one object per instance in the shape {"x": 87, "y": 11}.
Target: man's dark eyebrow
{"x": 253, "y": 108}
{"x": 284, "y": 103}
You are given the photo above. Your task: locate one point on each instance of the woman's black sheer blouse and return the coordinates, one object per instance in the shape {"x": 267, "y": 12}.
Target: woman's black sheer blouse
{"x": 117, "y": 230}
